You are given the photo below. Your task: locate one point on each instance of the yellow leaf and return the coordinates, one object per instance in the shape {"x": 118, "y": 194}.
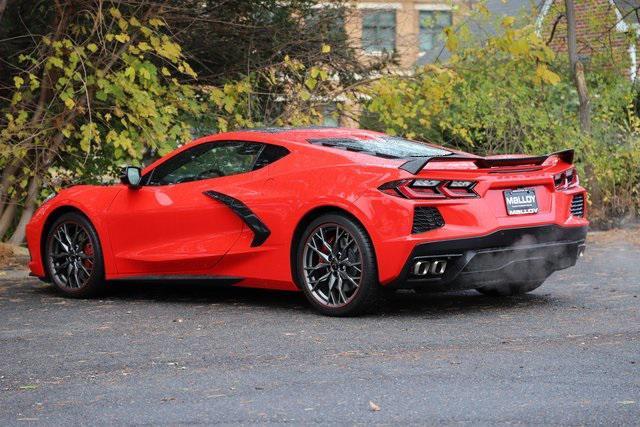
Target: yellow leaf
{"x": 34, "y": 83}
{"x": 123, "y": 24}
{"x": 115, "y": 13}
{"x": 519, "y": 46}
{"x": 170, "y": 50}
{"x": 144, "y": 46}
{"x": 131, "y": 73}
{"x": 326, "y": 48}
{"x": 19, "y": 81}
{"x": 67, "y": 131}
{"x": 452, "y": 40}
{"x": 17, "y": 97}
{"x": 188, "y": 70}
{"x": 70, "y": 103}
{"x": 508, "y": 21}
{"x": 156, "y": 22}
{"x": 546, "y": 75}
{"x": 122, "y": 38}
{"x": 56, "y": 62}
{"x": 92, "y": 47}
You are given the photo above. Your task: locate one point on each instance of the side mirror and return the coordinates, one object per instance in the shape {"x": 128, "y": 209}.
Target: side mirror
{"x": 131, "y": 176}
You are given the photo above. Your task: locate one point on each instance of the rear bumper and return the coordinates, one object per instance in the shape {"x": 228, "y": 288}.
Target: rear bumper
{"x": 517, "y": 255}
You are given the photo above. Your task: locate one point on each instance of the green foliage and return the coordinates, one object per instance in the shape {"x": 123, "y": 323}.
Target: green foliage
{"x": 106, "y": 94}
{"x": 507, "y": 96}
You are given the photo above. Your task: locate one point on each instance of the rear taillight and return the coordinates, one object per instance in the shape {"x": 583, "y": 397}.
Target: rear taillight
{"x": 429, "y": 189}
{"x": 566, "y": 179}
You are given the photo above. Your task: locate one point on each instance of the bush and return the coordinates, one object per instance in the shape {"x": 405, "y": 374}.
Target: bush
{"x": 508, "y": 96}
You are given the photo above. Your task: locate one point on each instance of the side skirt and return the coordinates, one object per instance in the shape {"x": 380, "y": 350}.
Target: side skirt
{"x": 185, "y": 279}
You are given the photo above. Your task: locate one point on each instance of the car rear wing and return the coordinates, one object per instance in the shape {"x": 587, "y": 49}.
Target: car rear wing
{"x": 414, "y": 166}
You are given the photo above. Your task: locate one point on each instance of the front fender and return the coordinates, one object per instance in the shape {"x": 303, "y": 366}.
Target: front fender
{"x": 91, "y": 201}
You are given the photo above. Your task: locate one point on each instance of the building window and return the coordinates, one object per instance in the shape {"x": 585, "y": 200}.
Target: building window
{"x": 432, "y": 25}
{"x": 378, "y": 30}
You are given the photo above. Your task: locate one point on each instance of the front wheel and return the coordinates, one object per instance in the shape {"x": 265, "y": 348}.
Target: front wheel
{"x": 73, "y": 256}
{"x": 336, "y": 266}
{"x": 505, "y": 290}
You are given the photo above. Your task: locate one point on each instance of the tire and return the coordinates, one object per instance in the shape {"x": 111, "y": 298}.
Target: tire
{"x": 73, "y": 256}
{"x": 511, "y": 289}
{"x": 339, "y": 278}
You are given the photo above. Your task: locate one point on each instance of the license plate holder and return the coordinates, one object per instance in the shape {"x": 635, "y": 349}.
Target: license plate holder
{"x": 521, "y": 201}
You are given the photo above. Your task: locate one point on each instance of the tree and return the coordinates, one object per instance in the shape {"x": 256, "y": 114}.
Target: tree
{"x": 99, "y": 82}
{"x": 87, "y": 85}
{"x": 577, "y": 68}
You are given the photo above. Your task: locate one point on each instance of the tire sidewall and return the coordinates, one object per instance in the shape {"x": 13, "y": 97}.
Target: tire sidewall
{"x": 96, "y": 281}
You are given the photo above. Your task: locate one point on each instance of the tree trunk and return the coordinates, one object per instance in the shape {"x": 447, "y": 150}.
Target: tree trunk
{"x": 29, "y": 207}
{"x": 577, "y": 69}
{"x": 3, "y": 6}
{"x": 5, "y": 182}
{"x": 7, "y": 217}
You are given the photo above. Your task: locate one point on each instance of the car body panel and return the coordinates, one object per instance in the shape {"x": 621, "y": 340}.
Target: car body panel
{"x": 177, "y": 229}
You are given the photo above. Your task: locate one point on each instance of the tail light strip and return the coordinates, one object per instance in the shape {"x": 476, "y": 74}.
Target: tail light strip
{"x": 566, "y": 179}
{"x": 429, "y": 189}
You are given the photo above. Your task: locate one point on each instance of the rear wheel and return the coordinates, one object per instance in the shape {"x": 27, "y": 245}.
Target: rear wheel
{"x": 336, "y": 266}
{"x": 510, "y": 289}
{"x": 73, "y": 256}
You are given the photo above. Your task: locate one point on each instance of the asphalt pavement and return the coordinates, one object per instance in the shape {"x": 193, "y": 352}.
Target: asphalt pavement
{"x": 567, "y": 354}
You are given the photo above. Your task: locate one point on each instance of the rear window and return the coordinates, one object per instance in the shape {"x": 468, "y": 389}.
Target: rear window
{"x": 390, "y": 147}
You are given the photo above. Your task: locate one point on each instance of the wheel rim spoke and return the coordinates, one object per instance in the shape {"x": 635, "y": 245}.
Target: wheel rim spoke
{"x": 321, "y": 254}
{"x": 332, "y": 265}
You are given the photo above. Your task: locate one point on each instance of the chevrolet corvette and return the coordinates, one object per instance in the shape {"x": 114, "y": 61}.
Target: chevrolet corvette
{"x": 344, "y": 215}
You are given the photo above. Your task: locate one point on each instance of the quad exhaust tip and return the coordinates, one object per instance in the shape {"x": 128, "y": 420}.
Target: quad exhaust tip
{"x": 434, "y": 268}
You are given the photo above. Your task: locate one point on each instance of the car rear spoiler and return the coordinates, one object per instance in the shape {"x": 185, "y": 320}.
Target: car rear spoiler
{"x": 414, "y": 166}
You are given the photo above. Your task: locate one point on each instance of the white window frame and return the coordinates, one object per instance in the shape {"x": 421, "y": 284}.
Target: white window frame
{"x": 382, "y": 6}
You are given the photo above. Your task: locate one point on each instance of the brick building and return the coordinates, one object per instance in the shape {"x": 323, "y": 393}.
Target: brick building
{"x": 605, "y": 30}
{"x": 412, "y": 29}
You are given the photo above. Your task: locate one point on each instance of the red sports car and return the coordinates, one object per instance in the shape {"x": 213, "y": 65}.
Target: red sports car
{"x": 341, "y": 214}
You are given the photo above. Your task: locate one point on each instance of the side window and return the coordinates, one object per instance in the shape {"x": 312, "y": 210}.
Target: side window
{"x": 270, "y": 154}
{"x": 208, "y": 160}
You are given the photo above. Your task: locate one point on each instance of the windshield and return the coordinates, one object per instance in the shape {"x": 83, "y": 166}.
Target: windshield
{"x": 385, "y": 146}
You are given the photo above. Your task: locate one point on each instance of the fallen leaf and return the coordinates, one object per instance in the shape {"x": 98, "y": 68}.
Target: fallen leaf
{"x": 28, "y": 387}
{"x": 373, "y": 406}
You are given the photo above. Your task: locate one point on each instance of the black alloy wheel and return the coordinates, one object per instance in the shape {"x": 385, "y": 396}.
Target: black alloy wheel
{"x": 73, "y": 256}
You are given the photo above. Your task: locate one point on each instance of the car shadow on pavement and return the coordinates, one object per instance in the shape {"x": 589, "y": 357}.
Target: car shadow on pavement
{"x": 402, "y": 303}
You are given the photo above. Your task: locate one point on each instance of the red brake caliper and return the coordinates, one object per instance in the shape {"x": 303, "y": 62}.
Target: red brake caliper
{"x": 88, "y": 250}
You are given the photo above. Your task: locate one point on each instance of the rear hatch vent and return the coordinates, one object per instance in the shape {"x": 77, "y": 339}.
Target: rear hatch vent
{"x": 426, "y": 218}
{"x": 577, "y": 205}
